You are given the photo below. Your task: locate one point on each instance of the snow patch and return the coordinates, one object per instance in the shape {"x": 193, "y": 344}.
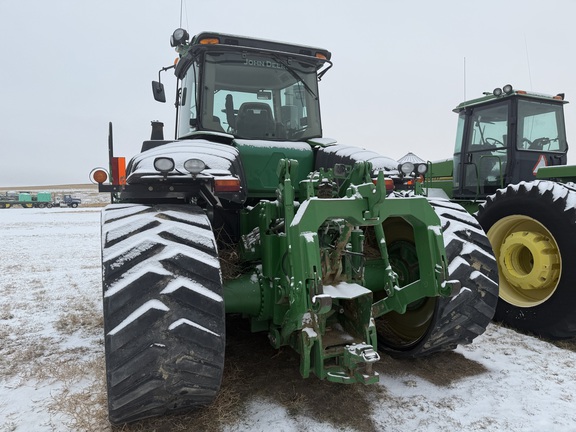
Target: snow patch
{"x": 134, "y": 274}
{"x": 119, "y": 211}
{"x": 184, "y": 321}
{"x": 345, "y": 290}
{"x": 309, "y": 236}
{"x": 181, "y": 282}
{"x": 310, "y": 332}
{"x": 194, "y": 218}
{"x": 151, "y": 304}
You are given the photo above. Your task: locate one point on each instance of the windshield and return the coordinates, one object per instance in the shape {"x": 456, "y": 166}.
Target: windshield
{"x": 489, "y": 128}
{"x": 252, "y": 96}
{"x": 540, "y": 127}
{"x": 485, "y": 164}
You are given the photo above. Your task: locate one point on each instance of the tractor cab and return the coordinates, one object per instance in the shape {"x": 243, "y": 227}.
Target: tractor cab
{"x": 246, "y": 88}
{"x": 505, "y": 137}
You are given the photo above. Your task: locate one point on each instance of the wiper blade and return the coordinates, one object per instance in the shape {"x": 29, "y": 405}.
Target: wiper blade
{"x": 295, "y": 75}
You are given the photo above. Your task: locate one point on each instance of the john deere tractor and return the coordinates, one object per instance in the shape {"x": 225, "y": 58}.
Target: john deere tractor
{"x": 250, "y": 211}
{"x": 509, "y": 166}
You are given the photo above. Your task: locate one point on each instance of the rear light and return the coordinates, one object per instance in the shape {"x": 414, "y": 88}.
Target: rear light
{"x": 227, "y": 185}
{"x": 209, "y": 41}
{"x": 388, "y": 182}
{"x": 98, "y": 175}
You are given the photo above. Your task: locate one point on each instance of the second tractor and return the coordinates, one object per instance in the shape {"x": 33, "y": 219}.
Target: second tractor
{"x": 509, "y": 167}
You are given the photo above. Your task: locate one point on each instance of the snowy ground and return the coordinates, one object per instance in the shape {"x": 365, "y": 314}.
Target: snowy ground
{"x": 51, "y": 358}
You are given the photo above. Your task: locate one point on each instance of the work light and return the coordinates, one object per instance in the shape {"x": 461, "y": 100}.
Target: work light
{"x": 179, "y": 37}
{"x": 194, "y": 166}
{"x": 164, "y": 164}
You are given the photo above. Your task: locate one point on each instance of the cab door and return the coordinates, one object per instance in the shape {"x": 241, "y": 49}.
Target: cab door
{"x": 481, "y": 165}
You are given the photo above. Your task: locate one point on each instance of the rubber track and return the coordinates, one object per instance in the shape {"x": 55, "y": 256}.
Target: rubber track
{"x": 460, "y": 319}
{"x": 163, "y": 310}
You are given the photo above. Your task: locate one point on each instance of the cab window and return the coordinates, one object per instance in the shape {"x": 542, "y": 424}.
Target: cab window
{"x": 540, "y": 127}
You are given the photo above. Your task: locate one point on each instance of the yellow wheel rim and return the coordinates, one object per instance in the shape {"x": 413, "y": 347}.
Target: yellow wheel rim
{"x": 529, "y": 261}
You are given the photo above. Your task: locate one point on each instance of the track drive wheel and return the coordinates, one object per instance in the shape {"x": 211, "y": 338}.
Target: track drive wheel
{"x": 532, "y": 230}
{"x": 438, "y": 324}
{"x": 164, "y": 319}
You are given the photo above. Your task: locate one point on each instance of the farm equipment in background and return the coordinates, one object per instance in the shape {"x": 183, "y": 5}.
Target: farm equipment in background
{"x": 67, "y": 201}
{"x": 37, "y": 200}
{"x": 26, "y": 199}
{"x": 509, "y": 166}
{"x": 250, "y": 211}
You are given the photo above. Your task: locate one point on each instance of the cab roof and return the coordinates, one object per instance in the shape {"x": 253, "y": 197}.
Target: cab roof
{"x": 249, "y": 42}
{"x": 498, "y": 94}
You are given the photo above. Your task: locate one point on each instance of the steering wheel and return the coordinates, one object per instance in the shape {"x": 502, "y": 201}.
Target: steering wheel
{"x": 493, "y": 142}
{"x": 537, "y": 144}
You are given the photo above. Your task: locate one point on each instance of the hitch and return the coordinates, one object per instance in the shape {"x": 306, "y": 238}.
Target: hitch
{"x": 357, "y": 361}
{"x": 313, "y": 280}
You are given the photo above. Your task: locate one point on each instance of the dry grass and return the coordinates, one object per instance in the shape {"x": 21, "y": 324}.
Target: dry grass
{"x": 567, "y": 344}
{"x": 80, "y": 315}
{"x": 95, "y": 204}
{"x": 84, "y": 409}
{"x": 254, "y": 371}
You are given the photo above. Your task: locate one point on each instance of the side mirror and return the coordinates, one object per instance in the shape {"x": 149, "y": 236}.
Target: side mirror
{"x": 158, "y": 91}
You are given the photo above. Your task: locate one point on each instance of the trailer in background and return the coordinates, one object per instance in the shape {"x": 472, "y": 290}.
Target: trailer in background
{"x": 37, "y": 200}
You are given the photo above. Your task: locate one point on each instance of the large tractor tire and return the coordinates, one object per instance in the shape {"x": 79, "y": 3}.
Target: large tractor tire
{"x": 441, "y": 323}
{"x": 164, "y": 318}
{"x": 532, "y": 228}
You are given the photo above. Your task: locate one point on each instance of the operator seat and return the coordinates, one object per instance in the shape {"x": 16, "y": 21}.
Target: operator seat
{"x": 213, "y": 124}
{"x": 255, "y": 121}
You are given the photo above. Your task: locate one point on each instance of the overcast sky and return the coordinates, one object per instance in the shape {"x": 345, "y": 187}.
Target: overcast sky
{"x": 400, "y": 67}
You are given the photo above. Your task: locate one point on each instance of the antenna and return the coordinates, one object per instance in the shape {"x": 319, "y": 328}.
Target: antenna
{"x": 528, "y": 61}
{"x": 464, "y": 78}
{"x": 182, "y": 7}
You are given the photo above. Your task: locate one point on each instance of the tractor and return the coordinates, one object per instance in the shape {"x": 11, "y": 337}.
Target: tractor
{"x": 249, "y": 211}
{"x": 509, "y": 168}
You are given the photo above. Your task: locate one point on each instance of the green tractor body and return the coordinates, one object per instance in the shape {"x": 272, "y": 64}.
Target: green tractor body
{"x": 250, "y": 211}
{"x": 509, "y": 168}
